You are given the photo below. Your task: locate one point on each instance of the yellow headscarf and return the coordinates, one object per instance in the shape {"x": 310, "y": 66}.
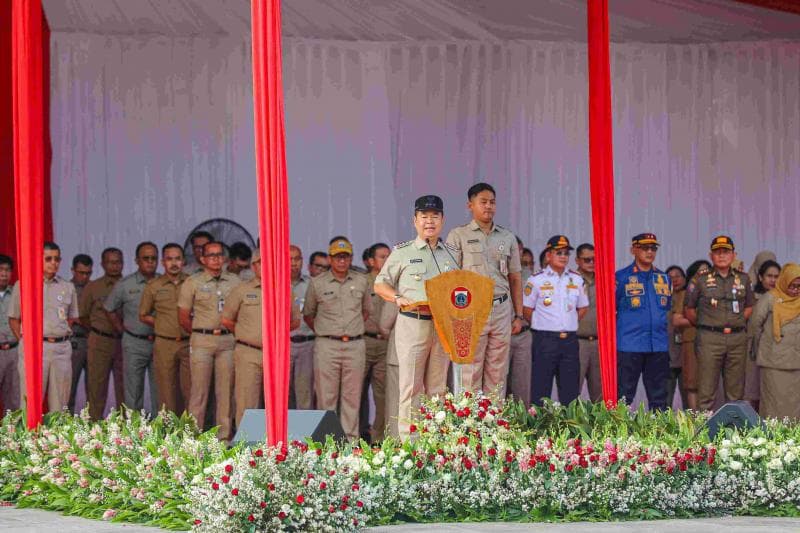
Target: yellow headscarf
{"x": 785, "y": 308}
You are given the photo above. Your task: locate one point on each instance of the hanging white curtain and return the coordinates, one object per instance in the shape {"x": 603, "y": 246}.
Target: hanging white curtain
{"x": 152, "y": 135}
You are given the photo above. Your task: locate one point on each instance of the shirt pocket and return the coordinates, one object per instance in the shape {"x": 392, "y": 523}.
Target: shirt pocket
{"x": 474, "y": 256}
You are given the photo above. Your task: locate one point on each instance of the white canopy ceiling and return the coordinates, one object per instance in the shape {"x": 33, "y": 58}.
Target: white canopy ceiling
{"x": 677, "y": 21}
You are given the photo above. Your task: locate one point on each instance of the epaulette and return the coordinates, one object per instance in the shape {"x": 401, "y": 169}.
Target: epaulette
{"x": 452, "y": 247}
{"x": 402, "y": 244}
{"x": 541, "y": 271}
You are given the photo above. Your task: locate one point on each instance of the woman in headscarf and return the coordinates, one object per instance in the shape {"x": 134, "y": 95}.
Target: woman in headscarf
{"x": 761, "y": 257}
{"x": 768, "y": 274}
{"x": 774, "y": 335}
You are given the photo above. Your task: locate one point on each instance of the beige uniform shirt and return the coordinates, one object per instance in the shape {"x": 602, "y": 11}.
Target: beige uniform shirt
{"x": 587, "y": 327}
{"x": 160, "y": 299}
{"x": 93, "y": 299}
{"x": 413, "y": 262}
{"x": 126, "y": 296}
{"x": 6, "y": 335}
{"x": 60, "y": 303}
{"x": 243, "y": 306}
{"x": 372, "y": 324}
{"x": 299, "y": 289}
{"x": 495, "y": 255}
{"x": 77, "y": 328}
{"x": 338, "y": 306}
{"x": 205, "y": 296}
{"x": 784, "y": 355}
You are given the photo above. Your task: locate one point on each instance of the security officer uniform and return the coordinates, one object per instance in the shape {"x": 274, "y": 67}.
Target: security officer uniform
{"x": 519, "y": 367}
{"x": 60, "y": 304}
{"x": 105, "y": 349}
{"x": 301, "y": 353}
{"x": 721, "y": 342}
{"x": 211, "y": 346}
{"x": 644, "y": 298}
{"x": 555, "y": 299}
{"x": 171, "y": 346}
{"x": 9, "y": 374}
{"x": 338, "y": 308}
{"x": 495, "y": 255}
{"x": 80, "y": 351}
{"x": 587, "y": 341}
{"x": 137, "y": 341}
{"x": 375, "y": 367}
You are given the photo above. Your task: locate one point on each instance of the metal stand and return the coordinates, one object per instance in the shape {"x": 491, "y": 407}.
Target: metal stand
{"x": 458, "y": 384}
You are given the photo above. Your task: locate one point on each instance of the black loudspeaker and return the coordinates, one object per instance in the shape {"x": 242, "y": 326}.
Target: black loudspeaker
{"x": 734, "y": 414}
{"x": 302, "y": 424}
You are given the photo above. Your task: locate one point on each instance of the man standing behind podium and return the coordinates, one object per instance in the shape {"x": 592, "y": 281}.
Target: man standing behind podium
{"x": 422, "y": 361}
{"x": 491, "y": 250}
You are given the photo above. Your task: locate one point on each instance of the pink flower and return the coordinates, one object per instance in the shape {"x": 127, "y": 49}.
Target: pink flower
{"x": 109, "y": 514}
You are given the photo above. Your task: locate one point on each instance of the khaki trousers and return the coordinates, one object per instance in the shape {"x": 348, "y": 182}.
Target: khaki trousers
{"x": 338, "y": 377}
{"x": 375, "y": 375}
{"x": 9, "y": 380}
{"x": 80, "y": 350}
{"x": 489, "y": 370}
{"x": 212, "y": 355}
{"x": 301, "y": 375}
{"x": 392, "y": 401}
{"x": 590, "y": 369}
{"x": 422, "y": 365}
{"x": 248, "y": 366}
{"x": 519, "y": 370}
{"x": 173, "y": 374}
{"x": 56, "y": 374}
{"x": 104, "y": 355}
{"x": 719, "y": 352}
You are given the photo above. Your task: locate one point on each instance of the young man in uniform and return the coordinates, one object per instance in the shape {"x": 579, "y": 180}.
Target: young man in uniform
{"x": 519, "y": 367}
{"x": 587, "y": 327}
{"x": 9, "y": 373}
{"x": 81, "y": 274}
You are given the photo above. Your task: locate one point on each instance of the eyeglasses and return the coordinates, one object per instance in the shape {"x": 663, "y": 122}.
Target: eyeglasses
{"x": 52, "y": 259}
{"x": 648, "y": 247}
{"x": 794, "y": 287}
{"x": 563, "y": 253}
{"x": 83, "y": 272}
{"x": 218, "y": 255}
{"x": 587, "y": 259}
{"x": 151, "y": 258}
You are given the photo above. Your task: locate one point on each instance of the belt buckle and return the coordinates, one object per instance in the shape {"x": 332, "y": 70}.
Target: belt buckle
{"x": 51, "y": 340}
{"x": 5, "y": 346}
{"x": 216, "y": 332}
{"x": 562, "y": 335}
{"x": 727, "y": 331}
{"x": 345, "y": 338}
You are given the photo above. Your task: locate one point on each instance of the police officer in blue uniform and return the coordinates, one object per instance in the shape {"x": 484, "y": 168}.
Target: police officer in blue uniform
{"x": 553, "y": 301}
{"x": 644, "y": 297}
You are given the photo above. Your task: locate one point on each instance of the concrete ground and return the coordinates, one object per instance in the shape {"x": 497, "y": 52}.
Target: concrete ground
{"x": 36, "y": 521}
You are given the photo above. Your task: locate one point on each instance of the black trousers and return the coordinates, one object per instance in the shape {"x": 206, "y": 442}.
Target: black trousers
{"x": 654, "y": 369}
{"x": 554, "y": 356}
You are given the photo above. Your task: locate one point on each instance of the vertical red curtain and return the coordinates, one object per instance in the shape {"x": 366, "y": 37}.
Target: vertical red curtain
{"x": 273, "y": 212}
{"x": 601, "y": 172}
{"x": 29, "y": 171}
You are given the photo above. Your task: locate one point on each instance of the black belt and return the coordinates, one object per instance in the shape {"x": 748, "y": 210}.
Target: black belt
{"x": 217, "y": 332}
{"x": 104, "y": 334}
{"x": 78, "y": 335}
{"x": 499, "y": 299}
{"x": 253, "y": 346}
{"x": 727, "y": 330}
{"x": 559, "y": 334}
{"x": 176, "y": 339}
{"x": 343, "y": 338}
{"x": 418, "y": 316}
{"x": 588, "y": 337}
{"x": 375, "y": 336}
{"x": 56, "y": 340}
{"x": 302, "y": 338}
{"x": 9, "y": 345}
{"x": 150, "y": 338}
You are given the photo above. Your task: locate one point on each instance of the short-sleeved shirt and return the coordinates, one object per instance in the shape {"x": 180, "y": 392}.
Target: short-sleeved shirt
{"x": 495, "y": 255}
{"x": 588, "y": 324}
{"x": 372, "y": 324}
{"x": 92, "y": 303}
{"x": 675, "y": 335}
{"x": 643, "y": 297}
{"x": 6, "y": 335}
{"x": 299, "y": 289}
{"x": 555, "y": 299}
{"x": 126, "y": 295}
{"x": 243, "y": 306}
{"x": 160, "y": 299}
{"x": 77, "y": 328}
{"x": 338, "y": 306}
{"x": 204, "y": 295}
{"x": 720, "y": 301}
{"x": 60, "y": 304}
{"x": 413, "y": 262}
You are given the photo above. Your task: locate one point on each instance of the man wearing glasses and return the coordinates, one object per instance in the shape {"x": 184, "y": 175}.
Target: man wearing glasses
{"x": 644, "y": 297}
{"x": 554, "y": 300}
{"x": 301, "y": 353}
{"x": 60, "y": 309}
{"x": 200, "y": 303}
{"x": 587, "y": 328}
{"x": 318, "y": 263}
{"x": 137, "y": 337}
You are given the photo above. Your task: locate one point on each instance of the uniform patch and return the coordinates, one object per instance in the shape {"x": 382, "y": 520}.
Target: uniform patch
{"x": 636, "y": 302}
{"x": 473, "y": 241}
{"x": 417, "y": 260}
{"x": 528, "y": 289}
{"x": 634, "y": 289}
{"x": 402, "y": 244}
{"x": 251, "y": 296}
{"x": 327, "y": 293}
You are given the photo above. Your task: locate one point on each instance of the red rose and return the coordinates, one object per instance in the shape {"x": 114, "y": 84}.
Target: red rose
{"x": 300, "y": 499}
{"x": 215, "y": 486}
{"x": 412, "y": 428}
{"x": 271, "y": 487}
{"x": 263, "y": 505}
{"x": 259, "y": 453}
{"x": 251, "y": 518}
{"x": 225, "y": 479}
{"x": 323, "y": 485}
{"x": 281, "y": 515}
{"x": 228, "y": 468}
{"x": 235, "y": 492}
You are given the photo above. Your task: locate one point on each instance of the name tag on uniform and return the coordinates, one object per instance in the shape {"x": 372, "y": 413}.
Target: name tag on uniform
{"x": 417, "y": 260}
{"x": 251, "y": 296}
{"x": 220, "y": 305}
{"x": 736, "y": 306}
{"x": 504, "y": 267}
{"x": 473, "y": 241}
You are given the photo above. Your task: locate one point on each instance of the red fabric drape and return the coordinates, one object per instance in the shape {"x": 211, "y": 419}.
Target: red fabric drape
{"x": 601, "y": 171}
{"x": 29, "y": 172}
{"x": 273, "y": 212}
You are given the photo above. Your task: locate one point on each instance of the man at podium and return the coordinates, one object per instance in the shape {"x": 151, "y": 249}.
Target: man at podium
{"x": 422, "y": 361}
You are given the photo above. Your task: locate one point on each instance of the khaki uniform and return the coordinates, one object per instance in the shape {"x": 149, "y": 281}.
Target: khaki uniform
{"x": 80, "y": 351}
{"x": 105, "y": 348}
{"x": 301, "y": 363}
{"x": 171, "y": 345}
{"x": 421, "y": 359}
{"x": 587, "y": 342}
{"x": 495, "y": 255}
{"x": 60, "y": 304}
{"x": 779, "y": 361}
{"x": 137, "y": 341}
{"x": 519, "y": 367}
{"x": 212, "y": 348}
{"x": 721, "y": 343}
{"x": 374, "y": 369}
{"x": 9, "y": 360}
{"x": 338, "y": 309}
{"x": 752, "y": 372}
{"x": 676, "y": 351}
{"x": 392, "y": 393}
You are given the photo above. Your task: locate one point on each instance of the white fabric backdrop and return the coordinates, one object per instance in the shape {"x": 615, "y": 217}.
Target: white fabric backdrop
{"x": 152, "y": 135}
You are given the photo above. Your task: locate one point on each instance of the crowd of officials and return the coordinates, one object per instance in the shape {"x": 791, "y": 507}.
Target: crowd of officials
{"x": 712, "y": 332}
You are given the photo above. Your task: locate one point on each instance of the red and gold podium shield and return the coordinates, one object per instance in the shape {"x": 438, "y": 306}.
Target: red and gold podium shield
{"x": 460, "y": 302}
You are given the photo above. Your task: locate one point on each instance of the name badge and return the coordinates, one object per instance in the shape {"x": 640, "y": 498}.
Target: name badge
{"x": 504, "y": 267}
{"x": 220, "y": 305}
{"x": 736, "y": 306}
{"x": 62, "y": 313}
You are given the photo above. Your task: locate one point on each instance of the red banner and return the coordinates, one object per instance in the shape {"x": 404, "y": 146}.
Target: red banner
{"x": 273, "y": 212}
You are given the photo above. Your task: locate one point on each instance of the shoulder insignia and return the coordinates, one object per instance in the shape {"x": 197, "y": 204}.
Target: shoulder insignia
{"x": 538, "y": 272}
{"x": 528, "y": 289}
{"x": 575, "y": 272}
{"x": 402, "y": 244}
{"x": 452, "y": 247}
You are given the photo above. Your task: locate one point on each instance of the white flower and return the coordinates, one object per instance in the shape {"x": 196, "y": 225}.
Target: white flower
{"x": 742, "y": 452}
{"x": 735, "y": 465}
{"x": 396, "y": 460}
{"x": 440, "y": 416}
{"x": 775, "y": 464}
{"x": 408, "y": 464}
{"x": 488, "y": 418}
{"x": 378, "y": 459}
{"x": 789, "y": 458}
{"x": 724, "y": 453}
